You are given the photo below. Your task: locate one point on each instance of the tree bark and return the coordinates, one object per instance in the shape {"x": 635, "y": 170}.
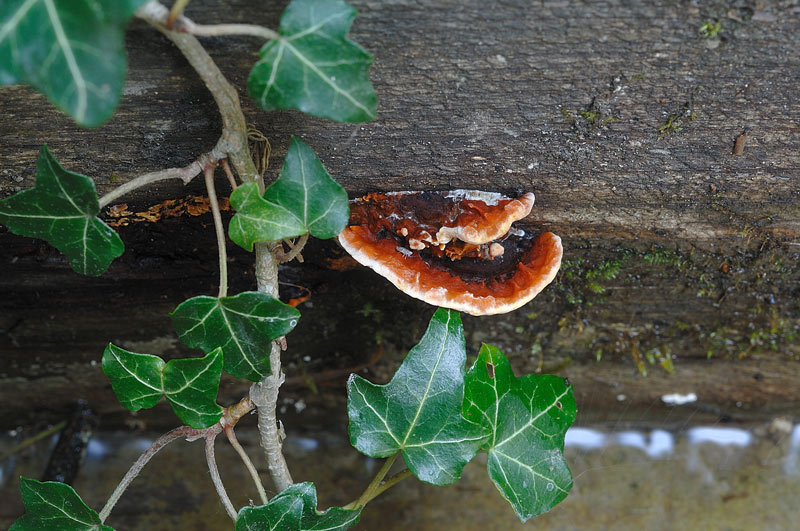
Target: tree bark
{"x": 621, "y": 118}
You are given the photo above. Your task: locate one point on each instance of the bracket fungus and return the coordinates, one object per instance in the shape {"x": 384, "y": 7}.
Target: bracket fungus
{"x": 453, "y": 249}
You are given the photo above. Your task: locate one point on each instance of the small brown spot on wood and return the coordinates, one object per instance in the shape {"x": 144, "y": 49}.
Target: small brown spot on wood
{"x": 738, "y": 145}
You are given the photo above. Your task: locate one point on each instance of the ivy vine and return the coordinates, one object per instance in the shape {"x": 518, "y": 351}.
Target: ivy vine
{"x": 435, "y": 414}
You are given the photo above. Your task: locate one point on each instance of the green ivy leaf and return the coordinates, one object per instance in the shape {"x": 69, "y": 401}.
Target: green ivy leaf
{"x": 62, "y": 208}
{"x": 259, "y": 220}
{"x": 419, "y": 411}
{"x": 242, "y": 326}
{"x": 135, "y": 378}
{"x": 528, "y": 418}
{"x": 54, "y": 505}
{"x": 282, "y": 513}
{"x": 73, "y": 52}
{"x": 190, "y": 385}
{"x": 303, "y": 199}
{"x": 313, "y": 67}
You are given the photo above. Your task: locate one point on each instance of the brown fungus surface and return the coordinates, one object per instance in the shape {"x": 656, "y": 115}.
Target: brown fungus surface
{"x": 453, "y": 249}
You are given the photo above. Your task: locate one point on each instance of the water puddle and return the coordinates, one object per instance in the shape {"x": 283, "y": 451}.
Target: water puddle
{"x": 702, "y": 477}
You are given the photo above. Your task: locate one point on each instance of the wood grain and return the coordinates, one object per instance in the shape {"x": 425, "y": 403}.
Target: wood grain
{"x": 618, "y": 115}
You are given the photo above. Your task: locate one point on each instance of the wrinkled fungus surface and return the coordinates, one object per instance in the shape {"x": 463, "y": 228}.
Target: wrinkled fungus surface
{"x": 453, "y": 249}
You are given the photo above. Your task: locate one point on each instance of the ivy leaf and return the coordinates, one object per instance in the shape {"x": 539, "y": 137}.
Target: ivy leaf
{"x": 242, "y": 326}
{"x": 190, "y": 385}
{"x": 54, "y": 505}
{"x": 259, "y": 220}
{"x": 528, "y": 418}
{"x": 281, "y": 513}
{"x": 135, "y": 378}
{"x": 303, "y": 199}
{"x": 73, "y": 52}
{"x": 419, "y": 411}
{"x": 62, "y": 208}
{"x": 313, "y": 67}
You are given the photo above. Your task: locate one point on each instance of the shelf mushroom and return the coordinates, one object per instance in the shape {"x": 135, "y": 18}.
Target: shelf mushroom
{"x": 453, "y": 249}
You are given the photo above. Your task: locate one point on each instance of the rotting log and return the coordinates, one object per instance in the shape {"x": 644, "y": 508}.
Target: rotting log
{"x": 621, "y": 118}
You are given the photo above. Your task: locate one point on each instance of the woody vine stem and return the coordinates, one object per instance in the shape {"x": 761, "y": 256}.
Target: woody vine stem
{"x": 232, "y": 147}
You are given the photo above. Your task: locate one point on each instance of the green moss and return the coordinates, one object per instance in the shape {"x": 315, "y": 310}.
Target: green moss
{"x": 666, "y": 257}
{"x": 710, "y": 29}
{"x": 592, "y": 118}
{"x": 678, "y": 119}
{"x": 601, "y": 328}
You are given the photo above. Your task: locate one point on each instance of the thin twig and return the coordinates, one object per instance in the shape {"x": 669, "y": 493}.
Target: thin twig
{"x": 215, "y": 477}
{"x": 233, "y": 414}
{"x": 295, "y": 249}
{"x": 137, "y": 467}
{"x": 185, "y": 174}
{"x": 175, "y": 21}
{"x": 220, "y": 230}
{"x": 228, "y": 173}
{"x": 215, "y": 30}
{"x": 30, "y": 440}
{"x": 262, "y": 493}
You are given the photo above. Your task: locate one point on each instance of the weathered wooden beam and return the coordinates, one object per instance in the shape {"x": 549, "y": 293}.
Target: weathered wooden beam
{"x": 619, "y": 116}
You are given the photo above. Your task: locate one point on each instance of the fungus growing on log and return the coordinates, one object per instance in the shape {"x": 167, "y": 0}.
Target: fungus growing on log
{"x": 453, "y": 249}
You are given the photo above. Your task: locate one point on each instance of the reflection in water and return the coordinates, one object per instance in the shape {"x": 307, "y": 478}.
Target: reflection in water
{"x": 791, "y": 466}
{"x": 661, "y": 443}
{"x": 720, "y": 436}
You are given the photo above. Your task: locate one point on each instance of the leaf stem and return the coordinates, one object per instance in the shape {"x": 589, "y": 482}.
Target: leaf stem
{"x": 368, "y": 493}
{"x": 262, "y": 493}
{"x": 140, "y": 463}
{"x": 220, "y": 230}
{"x": 228, "y": 173}
{"x": 215, "y": 477}
{"x": 389, "y": 483}
{"x": 176, "y": 11}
